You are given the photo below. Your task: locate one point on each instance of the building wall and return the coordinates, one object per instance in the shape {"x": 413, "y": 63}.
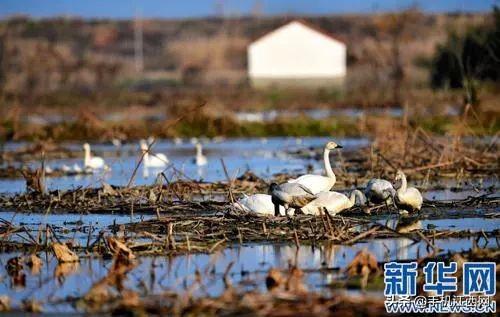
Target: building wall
{"x": 296, "y": 51}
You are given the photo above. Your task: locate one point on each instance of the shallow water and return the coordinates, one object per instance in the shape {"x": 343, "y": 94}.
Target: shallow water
{"x": 473, "y": 224}
{"x": 251, "y": 262}
{"x": 75, "y": 227}
{"x": 317, "y": 114}
{"x": 263, "y": 157}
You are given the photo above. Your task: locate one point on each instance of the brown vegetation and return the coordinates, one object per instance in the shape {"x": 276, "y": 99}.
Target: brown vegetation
{"x": 48, "y": 55}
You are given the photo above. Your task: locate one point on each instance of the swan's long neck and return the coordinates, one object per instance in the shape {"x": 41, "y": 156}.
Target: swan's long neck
{"x": 404, "y": 185}
{"x": 352, "y": 198}
{"x": 199, "y": 151}
{"x": 145, "y": 155}
{"x": 86, "y": 157}
{"x": 328, "y": 166}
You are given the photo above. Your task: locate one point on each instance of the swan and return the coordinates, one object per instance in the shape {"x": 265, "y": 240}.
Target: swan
{"x": 259, "y": 203}
{"x": 77, "y": 169}
{"x": 319, "y": 183}
{"x": 150, "y": 140}
{"x": 155, "y": 160}
{"x": 48, "y": 170}
{"x": 407, "y": 198}
{"x": 117, "y": 143}
{"x": 200, "y": 159}
{"x": 333, "y": 202}
{"x": 194, "y": 140}
{"x": 379, "y": 191}
{"x": 218, "y": 139}
{"x": 65, "y": 168}
{"x": 177, "y": 141}
{"x": 289, "y": 195}
{"x": 93, "y": 162}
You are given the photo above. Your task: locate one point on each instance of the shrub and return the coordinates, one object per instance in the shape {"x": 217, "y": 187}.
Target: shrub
{"x": 466, "y": 58}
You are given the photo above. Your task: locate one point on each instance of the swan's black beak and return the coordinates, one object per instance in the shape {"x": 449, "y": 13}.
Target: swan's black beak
{"x": 339, "y": 146}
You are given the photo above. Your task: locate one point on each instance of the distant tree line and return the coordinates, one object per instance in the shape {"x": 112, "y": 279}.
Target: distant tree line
{"x": 465, "y": 59}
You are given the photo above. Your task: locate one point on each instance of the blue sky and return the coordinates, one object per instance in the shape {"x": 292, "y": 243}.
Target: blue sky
{"x": 198, "y": 8}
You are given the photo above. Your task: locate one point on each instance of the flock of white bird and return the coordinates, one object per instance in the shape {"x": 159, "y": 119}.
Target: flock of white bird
{"x": 311, "y": 194}
{"x": 93, "y": 163}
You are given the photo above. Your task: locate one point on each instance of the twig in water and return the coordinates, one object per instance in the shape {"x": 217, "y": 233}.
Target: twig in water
{"x": 436, "y": 249}
{"x": 216, "y": 245}
{"x": 229, "y": 180}
{"x": 297, "y": 243}
{"x": 225, "y": 278}
{"x": 362, "y": 235}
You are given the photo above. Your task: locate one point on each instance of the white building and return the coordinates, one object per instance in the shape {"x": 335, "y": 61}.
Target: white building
{"x": 296, "y": 53}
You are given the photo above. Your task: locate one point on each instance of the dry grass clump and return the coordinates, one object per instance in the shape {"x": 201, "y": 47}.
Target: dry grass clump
{"x": 419, "y": 153}
{"x": 63, "y": 253}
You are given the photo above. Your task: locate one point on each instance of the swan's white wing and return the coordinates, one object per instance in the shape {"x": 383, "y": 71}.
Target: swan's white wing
{"x": 315, "y": 183}
{"x": 333, "y": 202}
{"x": 379, "y": 189}
{"x": 65, "y": 168}
{"x": 96, "y": 162}
{"x": 414, "y": 197}
{"x": 161, "y": 157}
{"x": 260, "y": 204}
{"x": 201, "y": 160}
{"x": 157, "y": 160}
{"x": 295, "y": 189}
{"x": 378, "y": 185}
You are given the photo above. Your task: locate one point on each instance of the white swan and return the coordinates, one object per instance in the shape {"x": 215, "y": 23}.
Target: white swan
{"x": 290, "y": 195}
{"x": 379, "y": 191}
{"x": 407, "y": 198}
{"x": 150, "y": 140}
{"x": 200, "y": 159}
{"x": 93, "y": 162}
{"x": 77, "y": 169}
{"x": 177, "y": 141}
{"x": 333, "y": 202}
{"x": 261, "y": 204}
{"x": 155, "y": 160}
{"x": 65, "y": 168}
{"x": 218, "y": 139}
{"x": 319, "y": 183}
{"x": 117, "y": 143}
{"x": 48, "y": 170}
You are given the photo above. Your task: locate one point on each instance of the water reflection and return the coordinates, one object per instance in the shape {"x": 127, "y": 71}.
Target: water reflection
{"x": 249, "y": 267}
